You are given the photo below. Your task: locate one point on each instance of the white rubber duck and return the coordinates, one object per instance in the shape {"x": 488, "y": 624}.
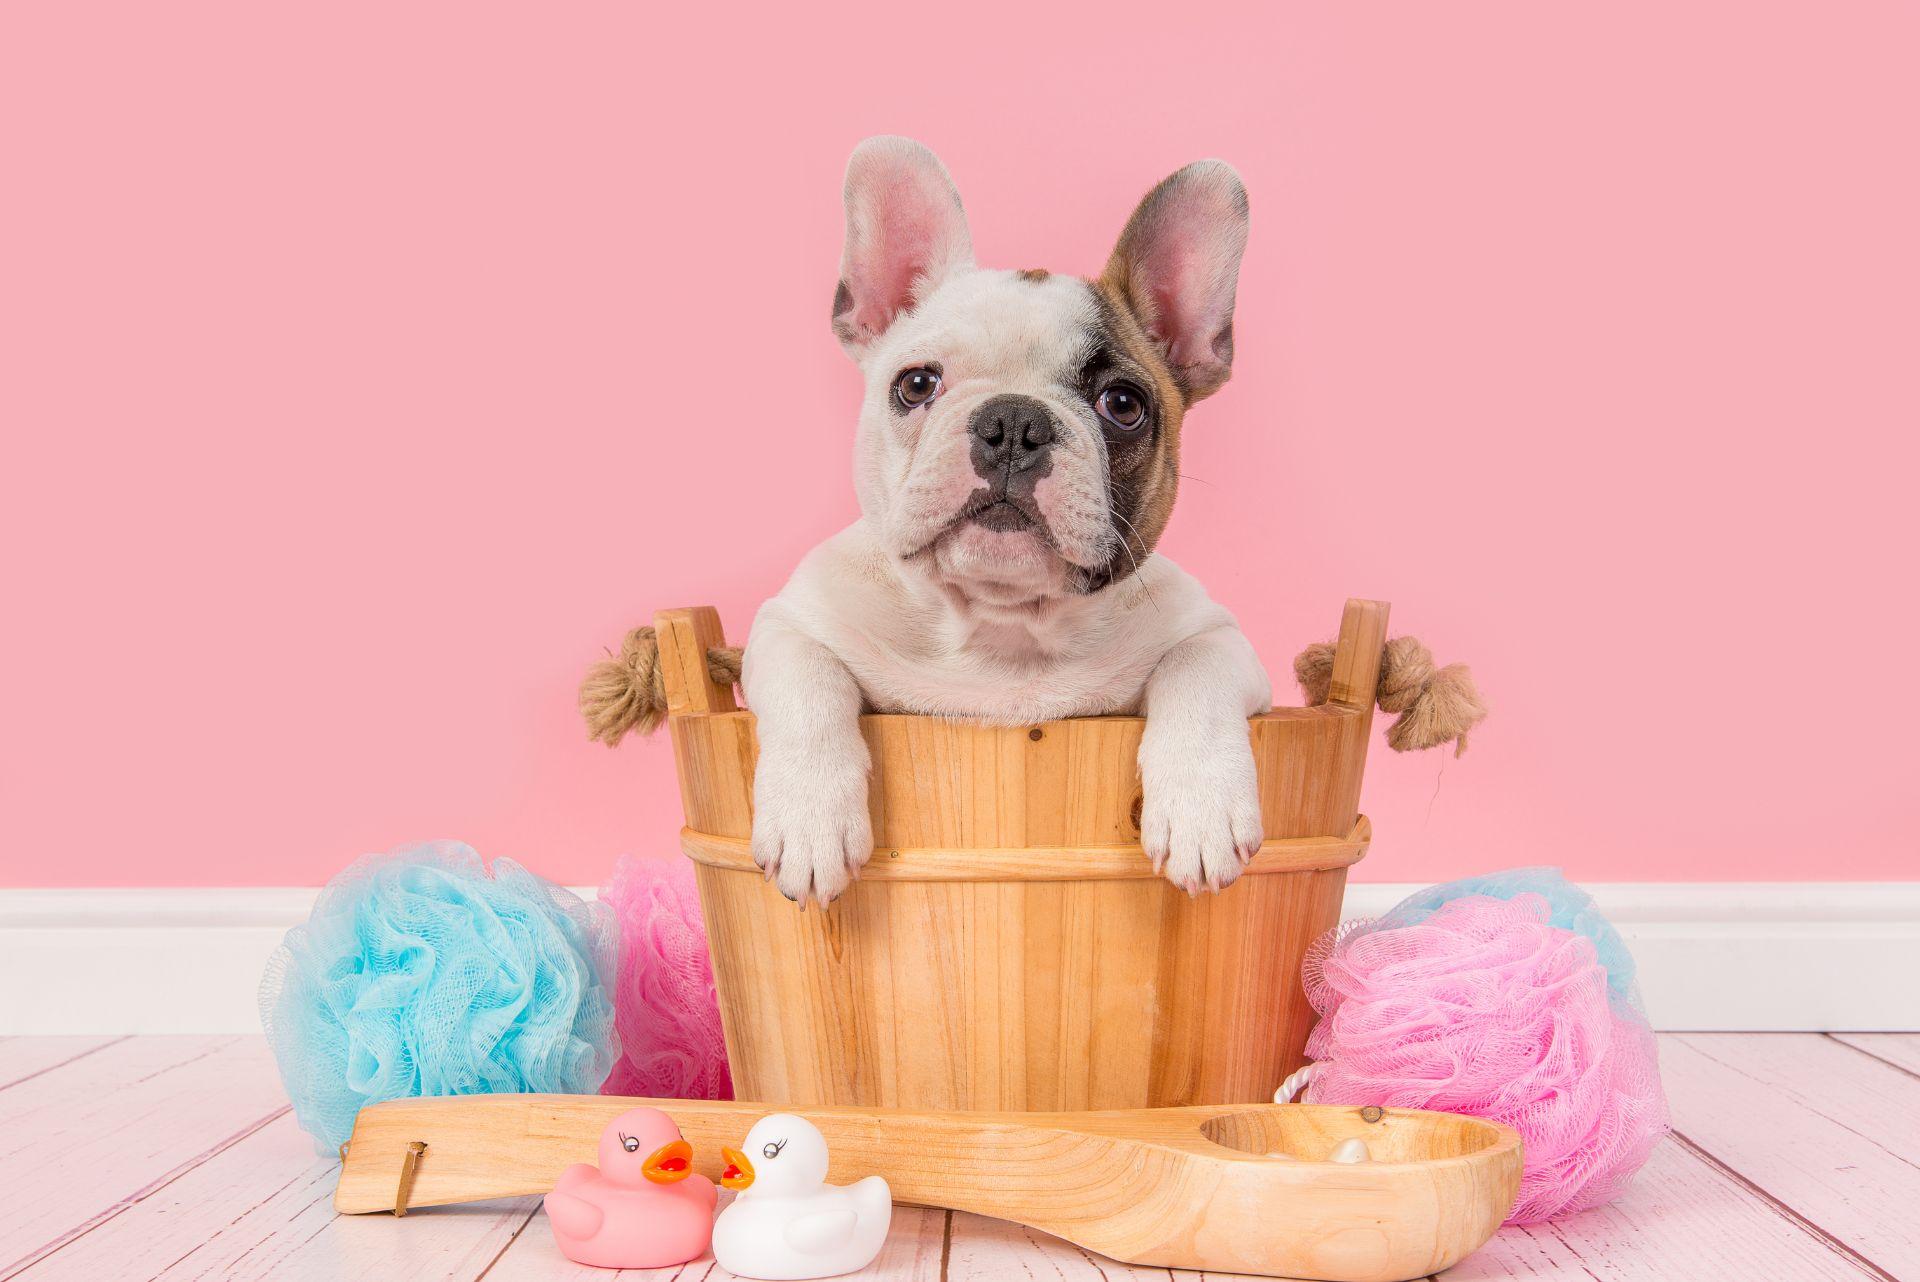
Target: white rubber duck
{"x": 786, "y": 1222}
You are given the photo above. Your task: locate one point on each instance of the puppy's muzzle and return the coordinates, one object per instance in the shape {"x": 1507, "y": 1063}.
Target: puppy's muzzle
{"x": 1012, "y": 449}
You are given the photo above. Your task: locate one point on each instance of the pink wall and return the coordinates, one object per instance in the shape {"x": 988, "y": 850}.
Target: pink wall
{"x": 366, "y": 368}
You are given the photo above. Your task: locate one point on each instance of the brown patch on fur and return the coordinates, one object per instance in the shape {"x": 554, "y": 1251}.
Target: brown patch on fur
{"x": 1034, "y": 274}
{"x": 1148, "y": 483}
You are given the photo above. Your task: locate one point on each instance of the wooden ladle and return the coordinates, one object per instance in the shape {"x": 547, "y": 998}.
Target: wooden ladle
{"x": 1193, "y": 1188}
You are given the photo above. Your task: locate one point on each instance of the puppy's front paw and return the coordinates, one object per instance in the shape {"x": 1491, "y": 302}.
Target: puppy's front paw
{"x": 1200, "y": 821}
{"x": 812, "y": 842}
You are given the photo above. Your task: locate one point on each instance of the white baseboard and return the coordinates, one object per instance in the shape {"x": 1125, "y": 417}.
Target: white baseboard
{"x": 1764, "y": 956}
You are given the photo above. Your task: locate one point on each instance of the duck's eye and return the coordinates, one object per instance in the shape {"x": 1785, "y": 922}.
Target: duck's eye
{"x": 916, "y": 386}
{"x": 771, "y": 1151}
{"x": 1124, "y": 406}
{"x": 629, "y": 1143}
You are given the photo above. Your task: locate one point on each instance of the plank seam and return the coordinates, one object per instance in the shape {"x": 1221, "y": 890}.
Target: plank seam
{"x": 1810, "y": 1105}
{"x": 1813, "y": 1230}
{"x": 504, "y": 1246}
{"x": 1572, "y": 1250}
{"x": 136, "y": 1197}
{"x": 214, "y": 1049}
{"x": 114, "y": 1041}
{"x": 1897, "y": 1067}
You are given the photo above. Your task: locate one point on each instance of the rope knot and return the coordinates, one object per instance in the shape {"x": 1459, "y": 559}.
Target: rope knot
{"x": 1434, "y": 705}
{"x": 626, "y": 693}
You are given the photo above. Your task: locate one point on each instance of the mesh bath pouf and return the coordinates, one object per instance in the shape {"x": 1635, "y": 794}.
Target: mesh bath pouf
{"x": 1516, "y": 1005}
{"x": 664, "y": 1001}
{"x": 422, "y": 973}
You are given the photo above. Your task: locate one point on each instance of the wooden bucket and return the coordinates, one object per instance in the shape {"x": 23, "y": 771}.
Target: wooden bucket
{"x": 1009, "y": 946}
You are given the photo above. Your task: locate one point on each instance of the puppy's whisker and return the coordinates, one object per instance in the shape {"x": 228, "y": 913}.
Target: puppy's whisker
{"x": 1128, "y": 549}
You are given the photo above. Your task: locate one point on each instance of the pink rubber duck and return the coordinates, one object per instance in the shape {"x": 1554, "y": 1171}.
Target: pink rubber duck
{"x": 642, "y": 1207}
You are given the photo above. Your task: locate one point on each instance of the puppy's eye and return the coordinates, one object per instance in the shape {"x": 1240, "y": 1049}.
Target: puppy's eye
{"x": 1124, "y": 407}
{"x": 917, "y": 386}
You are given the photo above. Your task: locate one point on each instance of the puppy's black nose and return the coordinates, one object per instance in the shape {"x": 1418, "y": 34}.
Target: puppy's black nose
{"x": 1010, "y": 432}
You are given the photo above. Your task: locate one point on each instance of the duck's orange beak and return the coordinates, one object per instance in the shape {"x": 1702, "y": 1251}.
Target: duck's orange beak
{"x": 670, "y": 1163}
{"x": 739, "y": 1172}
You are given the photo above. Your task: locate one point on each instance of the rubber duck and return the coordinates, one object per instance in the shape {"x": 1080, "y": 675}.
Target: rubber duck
{"x": 787, "y": 1222}
{"x": 642, "y": 1207}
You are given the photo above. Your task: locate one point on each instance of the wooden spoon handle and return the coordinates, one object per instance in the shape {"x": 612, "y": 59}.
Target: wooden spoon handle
{"x": 489, "y": 1146}
{"x": 1193, "y": 1188}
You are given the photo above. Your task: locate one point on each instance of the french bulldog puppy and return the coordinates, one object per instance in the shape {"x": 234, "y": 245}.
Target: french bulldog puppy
{"x": 1015, "y": 461}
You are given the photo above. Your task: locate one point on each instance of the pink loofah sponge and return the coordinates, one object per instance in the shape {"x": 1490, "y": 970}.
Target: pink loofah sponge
{"x": 664, "y": 1005}
{"x": 1482, "y": 1006}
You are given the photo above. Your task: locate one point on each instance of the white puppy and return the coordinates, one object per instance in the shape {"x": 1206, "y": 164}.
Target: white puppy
{"x": 1016, "y": 461}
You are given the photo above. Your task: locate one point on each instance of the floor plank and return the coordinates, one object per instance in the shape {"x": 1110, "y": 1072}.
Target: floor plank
{"x": 80, "y": 1143}
{"x": 987, "y": 1250}
{"x": 1798, "y": 1157}
{"x": 264, "y": 1209}
{"x": 912, "y": 1254}
{"x": 22, "y": 1058}
{"x": 1899, "y": 1049}
{"x": 1682, "y": 1218}
{"x": 1827, "y": 1131}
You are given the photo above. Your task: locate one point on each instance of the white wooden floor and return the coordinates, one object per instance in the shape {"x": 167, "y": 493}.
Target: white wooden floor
{"x": 1795, "y": 1156}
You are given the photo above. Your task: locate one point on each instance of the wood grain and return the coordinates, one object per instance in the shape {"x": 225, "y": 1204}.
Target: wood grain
{"x": 986, "y": 1250}
{"x": 260, "y": 1207}
{"x": 263, "y": 1210}
{"x": 1009, "y": 946}
{"x": 1831, "y": 1133}
{"x": 22, "y": 1058}
{"x": 915, "y": 1243}
{"x": 1354, "y": 689}
{"x": 1899, "y": 1049}
{"x": 684, "y": 637}
{"x": 80, "y": 1143}
{"x": 1043, "y": 863}
{"x": 1185, "y": 1188}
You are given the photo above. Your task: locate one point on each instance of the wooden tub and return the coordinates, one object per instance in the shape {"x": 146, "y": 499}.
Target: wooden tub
{"x": 1009, "y": 946}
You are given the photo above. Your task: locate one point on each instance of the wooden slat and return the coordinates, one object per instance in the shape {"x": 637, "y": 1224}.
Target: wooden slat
{"x": 1899, "y": 1049}
{"x": 80, "y": 1143}
{"x": 263, "y": 1209}
{"x": 940, "y": 783}
{"x": 26, "y": 1057}
{"x": 1356, "y": 682}
{"x": 984, "y": 1250}
{"x": 1356, "y": 654}
{"x": 1683, "y": 1218}
{"x": 1797, "y": 1162}
{"x": 911, "y": 1254}
{"x": 1044, "y": 863}
{"x": 1829, "y": 1132}
{"x": 685, "y": 636}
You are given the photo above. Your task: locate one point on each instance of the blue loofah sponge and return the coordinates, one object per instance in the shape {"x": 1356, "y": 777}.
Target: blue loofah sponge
{"x": 419, "y": 973}
{"x": 1572, "y": 908}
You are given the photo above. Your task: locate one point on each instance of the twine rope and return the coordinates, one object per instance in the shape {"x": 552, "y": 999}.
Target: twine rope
{"x": 625, "y": 693}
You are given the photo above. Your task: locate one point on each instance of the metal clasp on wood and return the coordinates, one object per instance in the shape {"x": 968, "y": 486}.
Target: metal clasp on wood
{"x": 409, "y": 1167}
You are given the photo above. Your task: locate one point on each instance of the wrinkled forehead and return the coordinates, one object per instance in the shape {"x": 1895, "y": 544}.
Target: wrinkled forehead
{"x": 992, "y": 322}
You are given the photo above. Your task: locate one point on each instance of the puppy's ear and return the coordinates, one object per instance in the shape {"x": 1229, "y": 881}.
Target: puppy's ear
{"x": 906, "y": 233}
{"x": 1176, "y": 267}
